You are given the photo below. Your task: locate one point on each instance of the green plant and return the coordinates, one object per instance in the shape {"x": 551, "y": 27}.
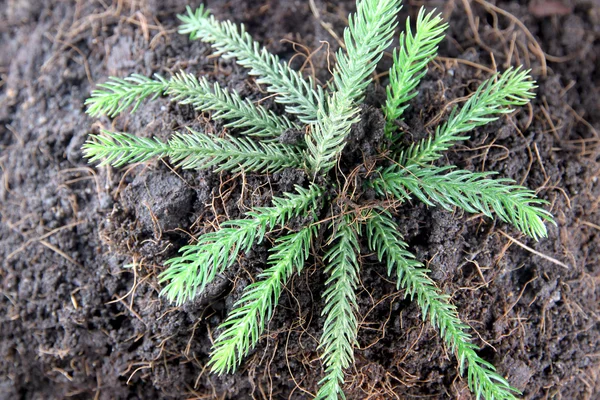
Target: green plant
{"x": 327, "y": 117}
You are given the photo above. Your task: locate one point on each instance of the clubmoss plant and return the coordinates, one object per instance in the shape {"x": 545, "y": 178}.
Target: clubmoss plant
{"x": 326, "y": 117}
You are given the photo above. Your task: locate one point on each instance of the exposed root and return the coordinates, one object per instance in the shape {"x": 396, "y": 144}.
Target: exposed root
{"x": 537, "y": 253}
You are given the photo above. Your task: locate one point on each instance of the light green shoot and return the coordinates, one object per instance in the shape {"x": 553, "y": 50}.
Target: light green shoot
{"x": 243, "y": 115}
{"x": 300, "y": 95}
{"x": 495, "y": 97}
{"x": 369, "y": 33}
{"x": 410, "y": 65}
{"x": 247, "y": 321}
{"x": 117, "y": 95}
{"x": 185, "y": 88}
{"x": 193, "y": 150}
{"x": 390, "y": 248}
{"x": 473, "y": 192}
{"x": 341, "y": 324}
{"x": 199, "y": 263}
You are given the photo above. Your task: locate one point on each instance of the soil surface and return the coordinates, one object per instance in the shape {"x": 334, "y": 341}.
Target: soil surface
{"x": 81, "y": 247}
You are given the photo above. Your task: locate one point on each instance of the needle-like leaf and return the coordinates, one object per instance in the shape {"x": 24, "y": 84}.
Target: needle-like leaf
{"x": 247, "y": 321}
{"x": 341, "y": 324}
{"x": 385, "y": 240}
{"x": 300, "y": 95}
{"x": 198, "y": 264}
{"x": 410, "y": 65}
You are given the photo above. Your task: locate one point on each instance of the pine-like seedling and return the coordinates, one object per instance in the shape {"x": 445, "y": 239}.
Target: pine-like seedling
{"x": 251, "y": 145}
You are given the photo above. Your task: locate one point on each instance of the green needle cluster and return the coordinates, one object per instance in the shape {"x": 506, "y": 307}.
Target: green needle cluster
{"x": 370, "y": 32}
{"x": 341, "y": 322}
{"x": 410, "y": 65}
{"x": 247, "y": 321}
{"x": 251, "y": 144}
{"x": 193, "y": 150}
{"x": 299, "y": 94}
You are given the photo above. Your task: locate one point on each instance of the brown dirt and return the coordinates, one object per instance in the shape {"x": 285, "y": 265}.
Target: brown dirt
{"x": 75, "y": 323}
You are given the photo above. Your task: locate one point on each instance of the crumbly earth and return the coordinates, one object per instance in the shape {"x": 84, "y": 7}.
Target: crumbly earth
{"x": 81, "y": 247}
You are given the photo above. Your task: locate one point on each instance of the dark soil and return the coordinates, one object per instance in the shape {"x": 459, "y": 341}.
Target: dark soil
{"x": 80, "y": 315}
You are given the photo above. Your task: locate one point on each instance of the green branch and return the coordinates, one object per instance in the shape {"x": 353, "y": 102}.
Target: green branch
{"x": 119, "y": 149}
{"x": 247, "y": 321}
{"x": 291, "y": 88}
{"x": 390, "y": 247}
{"x": 199, "y": 263}
{"x": 199, "y": 151}
{"x": 369, "y": 33}
{"x": 410, "y": 65}
{"x": 116, "y": 95}
{"x": 341, "y": 324}
{"x": 250, "y": 119}
{"x": 185, "y": 88}
{"x": 494, "y": 97}
{"x": 471, "y": 191}
{"x": 194, "y": 150}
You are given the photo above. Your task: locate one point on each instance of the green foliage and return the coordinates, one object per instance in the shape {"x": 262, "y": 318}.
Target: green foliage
{"x": 247, "y": 321}
{"x": 327, "y": 117}
{"x": 198, "y": 264}
{"x": 471, "y": 191}
{"x": 341, "y": 324}
{"x": 118, "y": 94}
{"x": 494, "y": 97}
{"x": 410, "y": 65}
{"x": 193, "y": 150}
{"x": 369, "y": 32}
{"x": 242, "y": 115}
{"x": 390, "y": 247}
{"x": 119, "y": 149}
{"x": 230, "y": 41}
{"x": 199, "y": 151}
{"x": 185, "y": 88}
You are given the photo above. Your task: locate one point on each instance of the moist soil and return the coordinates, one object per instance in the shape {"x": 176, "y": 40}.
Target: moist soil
{"x": 81, "y": 246}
